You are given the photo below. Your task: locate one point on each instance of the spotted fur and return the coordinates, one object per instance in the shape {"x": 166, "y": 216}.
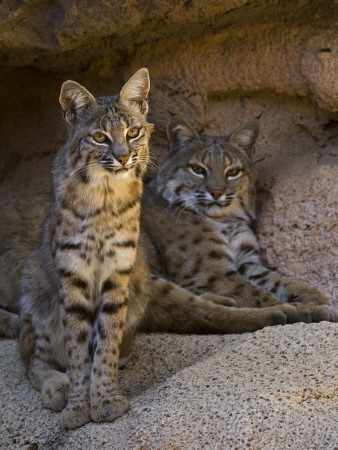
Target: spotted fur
{"x": 75, "y": 287}
{"x": 197, "y": 269}
{"x": 204, "y": 242}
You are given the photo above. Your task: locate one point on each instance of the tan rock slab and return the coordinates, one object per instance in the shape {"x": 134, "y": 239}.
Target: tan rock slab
{"x": 273, "y": 389}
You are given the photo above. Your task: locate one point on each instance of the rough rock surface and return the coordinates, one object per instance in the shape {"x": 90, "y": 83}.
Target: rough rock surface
{"x": 218, "y": 64}
{"x": 273, "y": 389}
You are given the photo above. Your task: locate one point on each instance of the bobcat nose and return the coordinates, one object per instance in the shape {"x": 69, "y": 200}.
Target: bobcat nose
{"x": 123, "y": 159}
{"x": 216, "y": 193}
{"x": 121, "y": 153}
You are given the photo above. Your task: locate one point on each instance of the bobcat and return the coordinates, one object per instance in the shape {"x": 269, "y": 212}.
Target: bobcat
{"x": 203, "y": 199}
{"x": 202, "y": 273}
{"x": 75, "y": 286}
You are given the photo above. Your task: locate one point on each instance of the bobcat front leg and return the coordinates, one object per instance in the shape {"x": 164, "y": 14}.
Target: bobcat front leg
{"x": 232, "y": 286}
{"x": 174, "y": 309}
{"x": 107, "y": 404}
{"x": 77, "y": 318}
{"x": 311, "y": 304}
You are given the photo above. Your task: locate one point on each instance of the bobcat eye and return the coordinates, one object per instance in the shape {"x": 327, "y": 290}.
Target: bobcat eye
{"x": 100, "y": 137}
{"x": 198, "y": 169}
{"x": 233, "y": 173}
{"x": 133, "y": 132}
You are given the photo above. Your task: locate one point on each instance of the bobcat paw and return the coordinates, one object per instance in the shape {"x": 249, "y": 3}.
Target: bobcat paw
{"x": 55, "y": 392}
{"x": 76, "y": 415}
{"x": 315, "y": 313}
{"x": 282, "y": 314}
{"x": 109, "y": 409}
{"x": 307, "y": 295}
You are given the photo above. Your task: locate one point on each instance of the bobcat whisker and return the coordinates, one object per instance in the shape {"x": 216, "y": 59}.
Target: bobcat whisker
{"x": 150, "y": 162}
{"x": 175, "y": 204}
{"x": 178, "y": 204}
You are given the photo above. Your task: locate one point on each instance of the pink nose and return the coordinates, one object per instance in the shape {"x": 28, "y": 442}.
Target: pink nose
{"x": 216, "y": 193}
{"x": 123, "y": 159}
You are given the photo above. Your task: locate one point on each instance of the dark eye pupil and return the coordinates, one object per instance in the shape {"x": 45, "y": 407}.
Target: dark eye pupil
{"x": 233, "y": 172}
{"x": 197, "y": 169}
{"x": 132, "y": 132}
{"x": 100, "y": 137}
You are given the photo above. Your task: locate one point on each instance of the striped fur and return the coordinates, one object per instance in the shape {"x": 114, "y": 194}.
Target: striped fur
{"x": 197, "y": 270}
{"x": 205, "y": 206}
{"x": 75, "y": 287}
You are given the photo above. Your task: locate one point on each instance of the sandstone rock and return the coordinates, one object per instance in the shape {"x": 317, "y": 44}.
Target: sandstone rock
{"x": 276, "y": 388}
{"x": 218, "y": 64}
{"x": 319, "y": 64}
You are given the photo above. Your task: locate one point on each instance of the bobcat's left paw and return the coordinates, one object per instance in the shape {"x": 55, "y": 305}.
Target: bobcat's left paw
{"x": 109, "y": 409}
{"x": 324, "y": 312}
{"x": 315, "y": 313}
{"x": 76, "y": 415}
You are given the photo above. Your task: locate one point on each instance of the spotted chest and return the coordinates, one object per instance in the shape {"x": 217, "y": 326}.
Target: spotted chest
{"x": 204, "y": 245}
{"x": 91, "y": 250}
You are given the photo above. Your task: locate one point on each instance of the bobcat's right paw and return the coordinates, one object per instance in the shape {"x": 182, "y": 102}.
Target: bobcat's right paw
{"x": 281, "y": 314}
{"x": 55, "y": 392}
{"x": 76, "y": 415}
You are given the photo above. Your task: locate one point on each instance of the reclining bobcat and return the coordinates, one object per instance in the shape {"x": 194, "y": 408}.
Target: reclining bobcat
{"x": 202, "y": 271}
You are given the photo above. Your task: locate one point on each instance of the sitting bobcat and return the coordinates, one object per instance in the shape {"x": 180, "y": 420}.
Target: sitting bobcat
{"x": 202, "y": 273}
{"x": 76, "y": 298}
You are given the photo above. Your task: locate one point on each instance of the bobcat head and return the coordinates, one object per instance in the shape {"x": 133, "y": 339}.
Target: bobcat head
{"x": 107, "y": 134}
{"x": 211, "y": 176}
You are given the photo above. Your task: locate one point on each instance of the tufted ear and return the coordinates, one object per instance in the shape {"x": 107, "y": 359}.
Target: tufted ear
{"x": 74, "y": 99}
{"x": 135, "y": 92}
{"x": 179, "y": 133}
{"x": 245, "y": 137}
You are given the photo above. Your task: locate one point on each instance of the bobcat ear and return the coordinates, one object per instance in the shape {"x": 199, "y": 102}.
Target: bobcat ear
{"x": 245, "y": 137}
{"x": 73, "y": 99}
{"x": 135, "y": 92}
{"x": 179, "y": 133}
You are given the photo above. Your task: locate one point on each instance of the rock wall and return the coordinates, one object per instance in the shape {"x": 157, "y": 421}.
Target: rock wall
{"x": 218, "y": 64}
